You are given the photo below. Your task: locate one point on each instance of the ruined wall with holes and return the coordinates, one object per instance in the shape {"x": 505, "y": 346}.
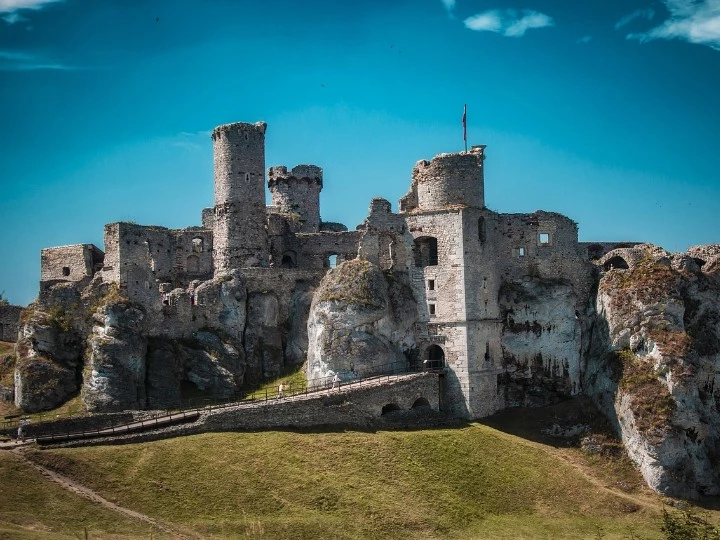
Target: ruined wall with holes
{"x": 69, "y": 263}
{"x": 148, "y": 261}
{"x": 9, "y": 322}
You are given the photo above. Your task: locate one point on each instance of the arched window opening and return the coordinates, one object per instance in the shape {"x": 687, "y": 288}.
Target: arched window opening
{"x": 595, "y": 251}
{"x": 289, "y": 260}
{"x": 434, "y": 357}
{"x": 699, "y": 262}
{"x": 420, "y": 402}
{"x": 616, "y": 263}
{"x": 425, "y": 250}
{"x": 193, "y": 264}
{"x": 481, "y": 229}
{"x": 197, "y": 245}
{"x": 332, "y": 260}
{"x": 390, "y": 407}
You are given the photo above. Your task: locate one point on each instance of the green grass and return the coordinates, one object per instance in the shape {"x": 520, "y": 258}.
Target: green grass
{"x": 469, "y": 482}
{"x": 33, "y": 507}
{"x": 294, "y": 382}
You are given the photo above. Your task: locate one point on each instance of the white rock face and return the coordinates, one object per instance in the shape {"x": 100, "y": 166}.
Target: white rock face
{"x": 360, "y": 322}
{"x": 662, "y": 314}
{"x": 541, "y": 342}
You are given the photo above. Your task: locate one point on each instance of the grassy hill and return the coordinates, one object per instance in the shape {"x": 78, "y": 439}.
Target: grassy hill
{"x": 473, "y": 481}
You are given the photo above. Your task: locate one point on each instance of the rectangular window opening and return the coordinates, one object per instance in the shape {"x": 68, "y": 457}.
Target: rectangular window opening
{"x": 431, "y": 284}
{"x": 544, "y": 238}
{"x": 431, "y": 307}
{"x": 521, "y": 252}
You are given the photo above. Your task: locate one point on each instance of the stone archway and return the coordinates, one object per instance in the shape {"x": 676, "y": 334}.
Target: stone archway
{"x": 434, "y": 357}
{"x": 616, "y": 263}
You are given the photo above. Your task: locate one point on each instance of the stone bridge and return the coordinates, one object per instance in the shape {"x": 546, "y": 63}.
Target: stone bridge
{"x": 393, "y": 401}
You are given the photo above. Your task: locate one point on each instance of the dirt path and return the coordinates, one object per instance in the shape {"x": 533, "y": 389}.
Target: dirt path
{"x": 646, "y": 499}
{"x": 72, "y": 486}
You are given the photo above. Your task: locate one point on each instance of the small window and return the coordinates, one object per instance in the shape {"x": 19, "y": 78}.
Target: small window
{"x": 521, "y": 252}
{"x": 431, "y": 307}
{"x": 197, "y": 245}
{"x": 66, "y": 270}
{"x": 247, "y": 177}
{"x": 431, "y": 284}
{"x": 332, "y": 261}
{"x": 544, "y": 238}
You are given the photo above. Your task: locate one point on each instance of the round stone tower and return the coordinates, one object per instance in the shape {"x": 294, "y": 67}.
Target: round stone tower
{"x": 297, "y": 194}
{"x": 451, "y": 180}
{"x": 239, "y": 232}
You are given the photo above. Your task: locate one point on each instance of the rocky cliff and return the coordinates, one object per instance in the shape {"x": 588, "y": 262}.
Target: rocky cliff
{"x": 125, "y": 355}
{"x": 653, "y": 362}
{"x": 360, "y": 322}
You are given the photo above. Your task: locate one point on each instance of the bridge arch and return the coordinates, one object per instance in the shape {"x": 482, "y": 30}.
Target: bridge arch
{"x": 420, "y": 402}
{"x": 390, "y": 407}
{"x": 616, "y": 263}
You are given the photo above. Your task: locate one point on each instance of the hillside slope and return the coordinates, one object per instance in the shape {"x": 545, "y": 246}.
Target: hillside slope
{"x": 472, "y": 481}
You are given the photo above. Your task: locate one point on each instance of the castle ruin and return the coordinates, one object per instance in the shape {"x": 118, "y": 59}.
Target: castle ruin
{"x": 480, "y": 279}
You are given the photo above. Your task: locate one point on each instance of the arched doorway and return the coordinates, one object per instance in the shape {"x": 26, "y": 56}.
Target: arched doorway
{"x": 434, "y": 357}
{"x": 289, "y": 260}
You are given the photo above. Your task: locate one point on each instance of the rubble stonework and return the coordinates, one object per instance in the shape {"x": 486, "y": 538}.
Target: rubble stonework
{"x": 504, "y": 306}
{"x": 9, "y": 322}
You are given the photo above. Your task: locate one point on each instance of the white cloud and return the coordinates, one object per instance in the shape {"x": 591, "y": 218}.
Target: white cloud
{"x": 648, "y": 14}
{"x": 449, "y": 4}
{"x": 23, "y": 61}
{"x": 695, "y": 21}
{"x": 8, "y": 6}
{"x": 508, "y": 22}
{"x": 584, "y": 39}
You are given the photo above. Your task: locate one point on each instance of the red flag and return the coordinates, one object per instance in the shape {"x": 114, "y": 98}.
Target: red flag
{"x": 465, "y": 123}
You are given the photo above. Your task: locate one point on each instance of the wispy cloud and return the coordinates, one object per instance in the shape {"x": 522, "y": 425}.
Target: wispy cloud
{"x": 14, "y": 17}
{"x": 584, "y": 39}
{"x": 11, "y": 8}
{"x": 191, "y": 141}
{"x": 695, "y": 21}
{"x": 508, "y": 22}
{"x": 24, "y": 61}
{"x": 449, "y": 5}
{"x": 648, "y": 14}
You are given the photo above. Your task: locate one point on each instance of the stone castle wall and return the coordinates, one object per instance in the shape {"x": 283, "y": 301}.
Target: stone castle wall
{"x": 145, "y": 259}
{"x": 297, "y": 194}
{"x": 447, "y": 181}
{"x": 69, "y": 263}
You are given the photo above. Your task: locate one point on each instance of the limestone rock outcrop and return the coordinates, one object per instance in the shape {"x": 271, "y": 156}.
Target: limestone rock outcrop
{"x": 654, "y": 362}
{"x": 541, "y": 342}
{"x": 49, "y": 360}
{"x": 360, "y": 322}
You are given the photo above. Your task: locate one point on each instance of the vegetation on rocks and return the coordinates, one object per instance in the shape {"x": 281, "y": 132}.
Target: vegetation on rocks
{"x": 651, "y": 402}
{"x": 353, "y": 282}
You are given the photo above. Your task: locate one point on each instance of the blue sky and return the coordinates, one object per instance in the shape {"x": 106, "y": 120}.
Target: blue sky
{"x": 606, "y": 111}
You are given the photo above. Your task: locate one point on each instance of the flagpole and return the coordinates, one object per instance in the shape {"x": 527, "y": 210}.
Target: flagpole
{"x": 464, "y": 122}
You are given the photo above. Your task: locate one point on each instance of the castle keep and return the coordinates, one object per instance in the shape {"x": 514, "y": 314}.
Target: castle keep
{"x": 497, "y": 298}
